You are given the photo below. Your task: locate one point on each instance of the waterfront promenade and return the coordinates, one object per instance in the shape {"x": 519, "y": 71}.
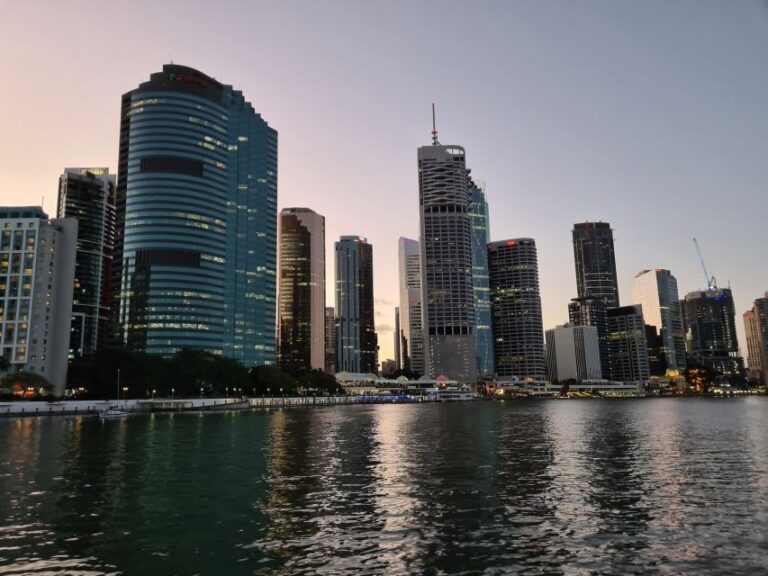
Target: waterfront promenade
{"x": 72, "y": 407}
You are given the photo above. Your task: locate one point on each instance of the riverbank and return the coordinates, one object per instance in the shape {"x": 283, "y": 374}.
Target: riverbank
{"x": 141, "y": 406}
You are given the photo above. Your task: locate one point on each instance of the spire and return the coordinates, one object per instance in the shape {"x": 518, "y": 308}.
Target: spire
{"x": 434, "y": 129}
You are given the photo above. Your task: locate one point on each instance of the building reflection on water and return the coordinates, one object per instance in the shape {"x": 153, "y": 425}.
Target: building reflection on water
{"x": 533, "y": 487}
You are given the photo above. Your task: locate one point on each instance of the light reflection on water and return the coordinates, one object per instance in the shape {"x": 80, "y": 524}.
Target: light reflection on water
{"x": 552, "y": 487}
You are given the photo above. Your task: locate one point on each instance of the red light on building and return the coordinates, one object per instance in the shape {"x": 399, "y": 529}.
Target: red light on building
{"x": 511, "y": 243}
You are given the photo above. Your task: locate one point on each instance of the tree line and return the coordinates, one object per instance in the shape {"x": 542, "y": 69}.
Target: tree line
{"x": 189, "y": 373}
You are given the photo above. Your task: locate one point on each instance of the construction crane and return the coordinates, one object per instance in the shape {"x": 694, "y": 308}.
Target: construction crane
{"x": 711, "y": 282}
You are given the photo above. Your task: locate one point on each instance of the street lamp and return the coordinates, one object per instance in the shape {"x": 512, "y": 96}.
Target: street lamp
{"x": 226, "y": 391}
{"x": 153, "y": 393}
{"x": 173, "y": 393}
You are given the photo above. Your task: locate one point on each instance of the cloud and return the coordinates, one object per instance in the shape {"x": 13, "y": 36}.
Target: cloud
{"x": 384, "y": 328}
{"x": 382, "y": 302}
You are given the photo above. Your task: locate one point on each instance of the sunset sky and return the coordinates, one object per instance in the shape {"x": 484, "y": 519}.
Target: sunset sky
{"x": 649, "y": 115}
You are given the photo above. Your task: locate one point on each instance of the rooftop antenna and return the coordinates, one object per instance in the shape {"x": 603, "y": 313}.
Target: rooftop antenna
{"x": 434, "y": 129}
{"x": 711, "y": 282}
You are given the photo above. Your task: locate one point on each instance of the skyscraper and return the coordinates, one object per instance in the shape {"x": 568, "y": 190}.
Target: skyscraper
{"x": 709, "y": 318}
{"x": 573, "y": 353}
{"x": 197, "y": 201}
{"x": 330, "y": 340}
{"x": 478, "y": 214}
{"x": 88, "y": 194}
{"x": 756, "y": 325}
{"x": 516, "y": 309}
{"x": 595, "y": 262}
{"x": 446, "y": 263}
{"x": 656, "y": 291}
{"x": 592, "y": 312}
{"x": 356, "y": 342}
{"x": 627, "y": 344}
{"x": 412, "y": 341}
{"x": 301, "y": 297}
{"x": 37, "y": 272}
{"x": 397, "y": 341}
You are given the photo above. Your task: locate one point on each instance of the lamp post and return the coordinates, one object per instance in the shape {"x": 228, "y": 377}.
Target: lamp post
{"x": 173, "y": 393}
{"x": 153, "y": 393}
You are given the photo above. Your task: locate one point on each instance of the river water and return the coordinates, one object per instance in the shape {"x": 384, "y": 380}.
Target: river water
{"x": 657, "y": 486}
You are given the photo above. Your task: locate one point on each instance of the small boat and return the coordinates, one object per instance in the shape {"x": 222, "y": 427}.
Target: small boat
{"x": 113, "y": 412}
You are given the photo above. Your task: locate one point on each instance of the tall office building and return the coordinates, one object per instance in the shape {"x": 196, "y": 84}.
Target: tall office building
{"x": 709, "y": 320}
{"x": 627, "y": 344}
{"x": 573, "y": 353}
{"x": 330, "y": 340}
{"x": 657, "y": 359}
{"x": 595, "y": 262}
{"x": 478, "y": 214}
{"x": 516, "y": 309}
{"x": 656, "y": 292}
{"x": 592, "y": 312}
{"x": 195, "y": 253}
{"x": 88, "y": 194}
{"x": 37, "y": 272}
{"x": 446, "y": 263}
{"x": 356, "y": 342}
{"x": 301, "y": 296}
{"x": 412, "y": 340}
{"x": 756, "y": 327}
{"x": 400, "y": 356}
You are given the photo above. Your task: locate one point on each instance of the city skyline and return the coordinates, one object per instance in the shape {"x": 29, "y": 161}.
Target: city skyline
{"x": 555, "y": 153}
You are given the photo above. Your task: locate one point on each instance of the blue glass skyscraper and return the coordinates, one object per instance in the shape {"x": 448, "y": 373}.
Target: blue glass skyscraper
{"x": 195, "y": 254}
{"x": 480, "y": 231}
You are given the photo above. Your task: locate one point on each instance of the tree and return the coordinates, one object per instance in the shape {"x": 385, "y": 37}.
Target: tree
{"x": 270, "y": 379}
{"x": 28, "y": 385}
{"x": 320, "y": 381}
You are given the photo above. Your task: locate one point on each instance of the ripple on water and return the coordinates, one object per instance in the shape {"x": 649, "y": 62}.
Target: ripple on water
{"x": 635, "y": 487}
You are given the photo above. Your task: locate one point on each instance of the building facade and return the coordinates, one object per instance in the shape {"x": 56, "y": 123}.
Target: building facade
{"x": 573, "y": 353}
{"x": 301, "y": 296}
{"x": 627, "y": 344}
{"x": 330, "y": 340}
{"x": 88, "y": 194}
{"x": 356, "y": 341}
{"x": 656, "y": 292}
{"x": 518, "y": 331}
{"x": 756, "y": 328}
{"x": 595, "y": 262}
{"x": 195, "y": 253}
{"x": 592, "y": 312}
{"x": 478, "y": 213}
{"x": 448, "y": 309}
{"x": 412, "y": 339}
{"x": 709, "y": 320}
{"x": 37, "y": 273}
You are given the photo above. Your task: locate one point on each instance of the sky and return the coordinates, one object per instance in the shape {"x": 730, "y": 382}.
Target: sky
{"x": 648, "y": 115}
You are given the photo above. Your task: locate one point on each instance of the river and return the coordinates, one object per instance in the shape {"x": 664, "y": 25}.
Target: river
{"x": 654, "y": 486}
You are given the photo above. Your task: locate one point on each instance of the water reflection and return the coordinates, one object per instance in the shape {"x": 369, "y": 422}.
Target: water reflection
{"x": 569, "y": 487}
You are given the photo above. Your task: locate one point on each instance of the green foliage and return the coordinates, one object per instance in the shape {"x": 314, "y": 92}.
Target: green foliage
{"x": 319, "y": 382}
{"x": 271, "y": 379}
{"x": 188, "y": 373}
{"x": 27, "y": 385}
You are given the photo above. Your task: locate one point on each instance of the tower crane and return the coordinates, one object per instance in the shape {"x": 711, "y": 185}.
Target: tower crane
{"x": 711, "y": 282}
